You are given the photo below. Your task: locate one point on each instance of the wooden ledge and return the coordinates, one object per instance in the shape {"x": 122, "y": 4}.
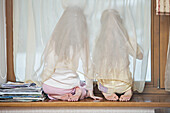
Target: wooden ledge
{"x": 138, "y": 100}
{"x": 85, "y": 104}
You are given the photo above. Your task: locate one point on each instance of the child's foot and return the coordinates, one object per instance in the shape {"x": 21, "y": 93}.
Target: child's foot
{"x": 76, "y": 96}
{"x": 60, "y": 97}
{"x": 112, "y": 97}
{"x": 127, "y": 96}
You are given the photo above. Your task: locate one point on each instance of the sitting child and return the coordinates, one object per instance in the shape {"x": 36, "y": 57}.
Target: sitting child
{"x": 111, "y": 57}
{"x": 74, "y": 94}
{"x": 67, "y": 45}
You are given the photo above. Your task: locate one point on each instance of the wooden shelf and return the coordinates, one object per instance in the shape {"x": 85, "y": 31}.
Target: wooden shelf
{"x": 138, "y": 100}
{"x": 83, "y": 104}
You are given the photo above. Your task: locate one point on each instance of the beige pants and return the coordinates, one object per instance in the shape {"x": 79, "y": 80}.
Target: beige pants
{"x": 110, "y": 86}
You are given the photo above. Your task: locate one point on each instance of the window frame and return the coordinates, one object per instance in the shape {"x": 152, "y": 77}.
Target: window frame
{"x": 159, "y": 44}
{"x": 9, "y": 40}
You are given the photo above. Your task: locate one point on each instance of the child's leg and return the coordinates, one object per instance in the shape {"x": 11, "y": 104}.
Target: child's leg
{"x": 84, "y": 93}
{"x": 76, "y": 96}
{"x": 112, "y": 97}
{"x": 59, "y": 97}
{"x": 56, "y": 93}
{"x": 127, "y": 96}
{"x": 108, "y": 96}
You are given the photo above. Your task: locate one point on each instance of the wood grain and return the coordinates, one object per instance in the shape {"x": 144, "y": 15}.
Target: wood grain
{"x": 152, "y": 43}
{"x": 138, "y": 100}
{"x": 9, "y": 36}
{"x": 156, "y": 47}
{"x": 164, "y": 38}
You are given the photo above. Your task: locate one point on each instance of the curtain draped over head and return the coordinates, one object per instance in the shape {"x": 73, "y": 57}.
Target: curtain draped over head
{"x": 3, "y": 63}
{"x": 34, "y": 22}
{"x": 163, "y": 7}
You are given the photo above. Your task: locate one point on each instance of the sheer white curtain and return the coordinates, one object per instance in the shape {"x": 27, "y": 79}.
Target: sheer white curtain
{"x": 34, "y": 21}
{"x": 3, "y": 63}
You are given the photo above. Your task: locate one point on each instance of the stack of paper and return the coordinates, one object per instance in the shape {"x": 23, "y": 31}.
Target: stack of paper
{"x": 25, "y": 92}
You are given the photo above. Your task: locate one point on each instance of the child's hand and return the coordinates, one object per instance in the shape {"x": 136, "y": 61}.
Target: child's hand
{"x": 96, "y": 98}
{"x": 91, "y": 95}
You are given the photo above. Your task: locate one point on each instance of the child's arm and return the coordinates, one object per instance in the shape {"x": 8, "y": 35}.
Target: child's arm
{"x": 49, "y": 65}
{"x": 89, "y": 87}
{"x": 139, "y": 54}
{"x": 88, "y": 71}
{"x": 139, "y": 51}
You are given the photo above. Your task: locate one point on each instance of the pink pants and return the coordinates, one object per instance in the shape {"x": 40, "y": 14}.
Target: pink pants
{"x": 59, "y": 91}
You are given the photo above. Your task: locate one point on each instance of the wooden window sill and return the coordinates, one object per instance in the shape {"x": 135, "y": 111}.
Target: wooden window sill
{"x": 138, "y": 100}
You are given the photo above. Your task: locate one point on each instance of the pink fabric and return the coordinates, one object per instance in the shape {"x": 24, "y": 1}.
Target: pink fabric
{"x": 58, "y": 91}
{"x": 83, "y": 95}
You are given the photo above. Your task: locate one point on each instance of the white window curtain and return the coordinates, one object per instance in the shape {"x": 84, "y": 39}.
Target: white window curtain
{"x": 3, "y": 63}
{"x": 34, "y": 21}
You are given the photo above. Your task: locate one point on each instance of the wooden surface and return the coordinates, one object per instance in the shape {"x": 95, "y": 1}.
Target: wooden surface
{"x": 9, "y": 36}
{"x": 164, "y": 39}
{"x": 151, "y": 90}
{"x": 159, "y": 45}
{"x": 138, "y": 100}
{"x": 156, "y": 47}
{"x": 152, "y": 42}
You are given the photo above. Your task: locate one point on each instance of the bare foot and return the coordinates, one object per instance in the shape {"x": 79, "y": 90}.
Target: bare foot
{"x": 112, "y": 97}
{"x": 76, "y": 96}
{"x": 61, "y": 97}
{"x": 127, "y": 96}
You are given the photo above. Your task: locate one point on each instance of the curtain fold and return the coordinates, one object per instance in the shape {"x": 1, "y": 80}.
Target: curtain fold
{"x": 34, "y": 21}
{"x": 3, "y": 57}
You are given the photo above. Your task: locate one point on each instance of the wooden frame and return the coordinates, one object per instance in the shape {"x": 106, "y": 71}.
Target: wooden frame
{"x": 9, "y": 37}
{"x": 159, "y": 42}
{"x": 159, "y": 45}
{"x": 164, "y": 39}
{"x": 85, "y": 104}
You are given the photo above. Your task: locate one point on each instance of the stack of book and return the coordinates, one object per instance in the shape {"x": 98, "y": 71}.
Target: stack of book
{"x": 20, "y": 92}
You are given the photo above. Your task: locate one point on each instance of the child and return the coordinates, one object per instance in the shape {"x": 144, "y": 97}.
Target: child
{"x": 111, "y": 57}
{"x": 68, "y": 45}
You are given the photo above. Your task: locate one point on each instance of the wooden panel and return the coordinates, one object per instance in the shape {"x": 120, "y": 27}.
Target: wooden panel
{"x": 152, "y": 43}
{"x": 156, "y": 45}
{"x": 9, "y": 35}
{"x": 149, "y": 89}
{"x": 164, "y": 38}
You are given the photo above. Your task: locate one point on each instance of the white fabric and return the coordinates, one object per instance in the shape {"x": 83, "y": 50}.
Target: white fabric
{"x": 111, "y": 53}
{"x": 75, "y": 110}
{"x": 167, "y": 71}
{"x": 113, "y": 47}
{"x": 63, "y": 78}
{"x": 68, "y": 44}
{"x": 67, "y": 79}
{"x": 3, "y": 57}
{"x": 43, "y": 16}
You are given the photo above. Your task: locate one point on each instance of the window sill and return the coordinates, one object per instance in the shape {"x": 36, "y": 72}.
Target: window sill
{"x": 138, "y": 100}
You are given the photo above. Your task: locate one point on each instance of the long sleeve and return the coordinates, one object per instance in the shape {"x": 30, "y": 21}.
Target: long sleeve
{"x": 89, "y": 84}
{"x": 139, "y": 53}
{"x": 49, "y": 65}
{"x": 87, "y": 67}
